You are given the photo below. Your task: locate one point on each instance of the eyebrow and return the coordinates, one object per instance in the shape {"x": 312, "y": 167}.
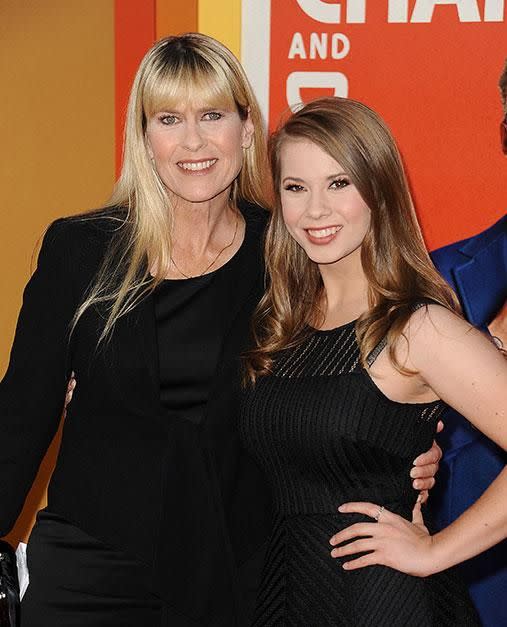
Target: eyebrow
{"x": 328, "y": 178}
{"x": 200, "y": 110}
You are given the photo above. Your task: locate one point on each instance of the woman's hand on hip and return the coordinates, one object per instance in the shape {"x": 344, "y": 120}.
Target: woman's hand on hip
{"x": 391, "y": 541}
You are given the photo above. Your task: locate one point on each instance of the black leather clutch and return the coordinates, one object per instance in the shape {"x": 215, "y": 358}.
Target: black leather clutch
{"x": 9, "y": 587}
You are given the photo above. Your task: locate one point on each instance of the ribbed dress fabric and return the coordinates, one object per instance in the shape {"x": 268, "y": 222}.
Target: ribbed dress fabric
{"x": 325, "y": 434}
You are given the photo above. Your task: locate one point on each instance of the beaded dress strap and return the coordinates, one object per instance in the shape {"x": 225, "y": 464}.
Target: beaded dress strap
{"x": 383, "y": 342}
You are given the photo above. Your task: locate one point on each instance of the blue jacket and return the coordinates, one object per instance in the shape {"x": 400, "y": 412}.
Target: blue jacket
{"x": 476, "y": 268}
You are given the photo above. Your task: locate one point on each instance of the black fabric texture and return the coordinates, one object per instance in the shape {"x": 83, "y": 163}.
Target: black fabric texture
{"x": 9, "y": 586}
{"x": 190, "y": 315}
{"x": 183, "y": 499}
{"x": 325, "y": 434}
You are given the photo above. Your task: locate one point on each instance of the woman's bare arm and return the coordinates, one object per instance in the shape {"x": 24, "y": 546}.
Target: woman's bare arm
{"x": 468, "y": 372}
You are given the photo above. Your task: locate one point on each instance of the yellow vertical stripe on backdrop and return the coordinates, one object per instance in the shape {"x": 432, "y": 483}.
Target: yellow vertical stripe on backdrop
{"x": 221, "y": 20}
{"x": 57, "y": 128}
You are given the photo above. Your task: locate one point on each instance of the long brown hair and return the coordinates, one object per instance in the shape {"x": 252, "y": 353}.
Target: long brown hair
{"x": 393, "y": 255}
{"x": 185, "y": 68}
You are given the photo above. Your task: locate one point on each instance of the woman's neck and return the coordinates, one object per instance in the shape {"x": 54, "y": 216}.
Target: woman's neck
{"x": 204, "y": 236}
{"x": 202, "y": 227}
{"x": 345, "y": 290}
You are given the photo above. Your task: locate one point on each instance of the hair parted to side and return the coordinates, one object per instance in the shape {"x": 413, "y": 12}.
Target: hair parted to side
{"x": 393, "y": 255}
{"x": 185, "y": 69}
{"x": 502, "y": 84}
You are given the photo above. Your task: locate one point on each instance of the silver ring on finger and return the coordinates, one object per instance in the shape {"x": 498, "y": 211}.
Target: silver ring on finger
{"x": 379, "y": 512}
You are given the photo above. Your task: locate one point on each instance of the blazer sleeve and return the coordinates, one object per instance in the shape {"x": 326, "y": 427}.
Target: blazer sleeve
{"x": 33, "y": 390}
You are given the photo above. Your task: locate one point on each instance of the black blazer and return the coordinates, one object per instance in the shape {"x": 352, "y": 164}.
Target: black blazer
{"x": 184, "y": 499}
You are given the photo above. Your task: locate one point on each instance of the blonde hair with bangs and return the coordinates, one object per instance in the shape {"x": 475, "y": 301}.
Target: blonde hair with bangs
{"x": 191, "y": 68}
{"x": 393, "y": 254}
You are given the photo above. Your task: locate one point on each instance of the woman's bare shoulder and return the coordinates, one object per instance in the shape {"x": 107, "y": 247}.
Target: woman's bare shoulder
{"x": 437, "y": 335}
{"x": 432, "y": 321}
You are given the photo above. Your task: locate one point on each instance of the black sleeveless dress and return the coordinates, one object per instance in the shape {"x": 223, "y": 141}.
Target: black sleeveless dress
{"x": 324, "y": 435}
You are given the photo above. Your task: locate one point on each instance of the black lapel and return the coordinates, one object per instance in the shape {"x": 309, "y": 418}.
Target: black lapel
{"x": 149, "y": 348}
{"x": 136, "y": 347}
{"x": 242, "y": 288}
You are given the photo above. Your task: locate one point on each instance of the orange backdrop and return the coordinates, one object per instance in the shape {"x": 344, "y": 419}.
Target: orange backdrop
{"x": 435, "y": 83}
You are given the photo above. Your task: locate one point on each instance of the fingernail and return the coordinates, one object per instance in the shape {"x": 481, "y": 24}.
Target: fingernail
{"x": 345, "y": 566}
{"x": 416, "y": 461}
{"x": 417, "y": 484}
{"x": 412, "y": 473}
{"x": 342, "y": 508}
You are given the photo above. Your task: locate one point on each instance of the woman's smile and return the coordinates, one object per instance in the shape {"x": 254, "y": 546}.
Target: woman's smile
{"x": 323, "y": 235}
{"x": 197, "y": 167}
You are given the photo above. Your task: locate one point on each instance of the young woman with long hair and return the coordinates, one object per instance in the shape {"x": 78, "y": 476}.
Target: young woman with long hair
{"x": 359, "y": 343}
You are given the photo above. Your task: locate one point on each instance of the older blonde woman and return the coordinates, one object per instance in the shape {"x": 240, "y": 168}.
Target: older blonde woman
{"x": 155, "y": 515}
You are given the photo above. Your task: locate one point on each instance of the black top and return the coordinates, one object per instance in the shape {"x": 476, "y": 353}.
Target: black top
{"x": 190, "y": 316}
{"x": 183, "y": 499}
{"x": 325, "y": 434}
